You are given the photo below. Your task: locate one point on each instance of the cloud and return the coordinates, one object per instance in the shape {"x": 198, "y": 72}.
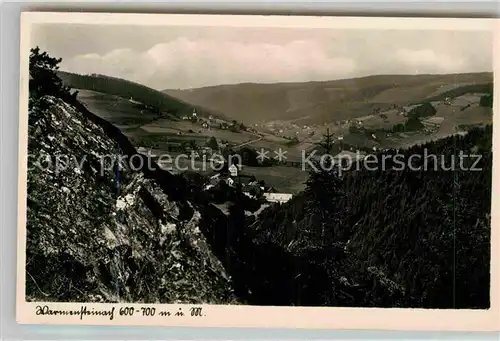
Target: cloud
{"x": 183, "y": 57}
{"x": 228, "y": 57}
{"x": 430, "y": 61}
{"x": 184, "y": 63}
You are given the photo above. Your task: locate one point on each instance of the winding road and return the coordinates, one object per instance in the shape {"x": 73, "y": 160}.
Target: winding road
{"x": 250, "y": 142}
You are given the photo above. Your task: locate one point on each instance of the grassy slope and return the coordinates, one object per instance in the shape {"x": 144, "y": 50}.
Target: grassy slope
{"x": 117, "y": 110}
{"x": 324, "y": 101}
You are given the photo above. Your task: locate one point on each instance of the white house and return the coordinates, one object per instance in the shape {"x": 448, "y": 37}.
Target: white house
{"x": 274, "y": 197}
{"x": 233, "y": 170}
{"x": 278, "y": 197}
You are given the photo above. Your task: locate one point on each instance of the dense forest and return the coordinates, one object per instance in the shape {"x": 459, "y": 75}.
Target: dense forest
{"x": 408, "y": 238}
{"x": 424, "y": 110}
{"x": 486, "y": 101}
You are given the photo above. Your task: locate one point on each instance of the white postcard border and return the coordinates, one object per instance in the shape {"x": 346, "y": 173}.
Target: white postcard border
{"x": 256, "y": 316}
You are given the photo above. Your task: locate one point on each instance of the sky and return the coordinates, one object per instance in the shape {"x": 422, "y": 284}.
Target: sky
{"x": 193, "y": 57}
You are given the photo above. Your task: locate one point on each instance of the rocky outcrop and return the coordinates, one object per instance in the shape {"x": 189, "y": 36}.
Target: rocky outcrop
{"x": 101, "y": 229}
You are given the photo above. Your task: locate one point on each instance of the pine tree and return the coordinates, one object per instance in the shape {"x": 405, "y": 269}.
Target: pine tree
{"x": 325, "y": 189}
{"x": 327, "y": 142}
{"x": 43, "y": 77}
{"x": 212, "y": 143}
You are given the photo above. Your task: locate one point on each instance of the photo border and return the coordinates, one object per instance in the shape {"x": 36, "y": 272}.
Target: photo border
{"x": 257, "y": 316}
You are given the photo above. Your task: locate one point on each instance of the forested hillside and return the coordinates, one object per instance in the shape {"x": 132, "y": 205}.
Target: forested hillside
{"x": 319, "y": 102}
{"x": 408, "y": 238}
{"x": 119, "y": 87}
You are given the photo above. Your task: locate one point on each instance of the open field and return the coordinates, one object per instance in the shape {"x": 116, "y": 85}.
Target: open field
{"x": 268, "y": 141}
{"x": 293, "y": 152}
{"x": 284, "y": 179}
{"x": 161, "y": 141}
{"x": 147, "y": 129}
{"x": 463, "y": 110}
{"x": 189, "y": 129}
{"x": 117, "y": 110}
{"x": 385, "y": 120}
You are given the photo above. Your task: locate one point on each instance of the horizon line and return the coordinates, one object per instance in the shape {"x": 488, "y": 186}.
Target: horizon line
{"x": 289, "y": 82}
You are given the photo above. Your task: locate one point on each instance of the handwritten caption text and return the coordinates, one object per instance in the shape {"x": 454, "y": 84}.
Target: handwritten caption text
{"x": 111, "y": 312}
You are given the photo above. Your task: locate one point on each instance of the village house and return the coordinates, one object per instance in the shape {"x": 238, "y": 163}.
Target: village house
{"x": 142, "y": 150}
{"x": 230, "y": 182}
{"x": 213, "y": 181}
{"x": 278, "y": 197}
{"x": 131, "y": 100}
{"x": 233, "y": 170}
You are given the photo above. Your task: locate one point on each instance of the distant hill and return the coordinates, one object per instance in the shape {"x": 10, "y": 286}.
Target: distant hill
{"x": 155, "y": 99}
{"x": 319, "y": 102}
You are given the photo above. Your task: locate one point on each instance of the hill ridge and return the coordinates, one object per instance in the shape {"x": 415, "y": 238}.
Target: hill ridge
{"x": 329, "y": 80}
{"x": 155, "y": 99}
{"x": 326, "y": 101}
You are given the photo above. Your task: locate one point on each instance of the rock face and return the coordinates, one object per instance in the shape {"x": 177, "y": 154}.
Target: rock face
{"x": 100, "y": 229}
